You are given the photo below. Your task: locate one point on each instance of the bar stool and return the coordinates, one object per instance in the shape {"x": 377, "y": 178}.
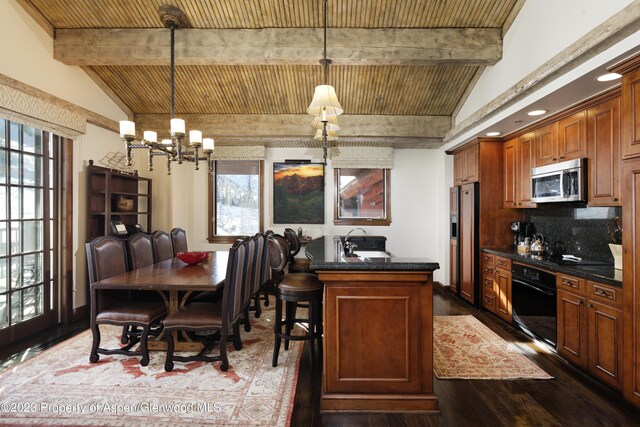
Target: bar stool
{"x": 292, "y": 289}
{"x": 296, "y": 265}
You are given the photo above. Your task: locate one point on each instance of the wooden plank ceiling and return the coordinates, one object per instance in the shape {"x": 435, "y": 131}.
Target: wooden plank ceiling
{"x": 372, "y": 84}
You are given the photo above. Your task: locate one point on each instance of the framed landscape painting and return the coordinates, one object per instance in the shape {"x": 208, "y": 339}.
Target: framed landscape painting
{"x": 298, "y": 193}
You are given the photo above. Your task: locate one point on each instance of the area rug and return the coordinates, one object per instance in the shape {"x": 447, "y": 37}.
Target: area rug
{"x": 464, "y": 348}
{"x": 61, "y": 387}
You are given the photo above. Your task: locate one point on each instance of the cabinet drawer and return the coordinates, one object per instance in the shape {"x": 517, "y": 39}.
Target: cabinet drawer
{"x": 489, "y": 302}
{"x": 571, "y": 283}
{"x": 503, "y": 263}
{"x": 487, "y": 282}
{"x": 605, "y": 294}
{"x": 488, "y": 259}
{"x": 488, "y": 270}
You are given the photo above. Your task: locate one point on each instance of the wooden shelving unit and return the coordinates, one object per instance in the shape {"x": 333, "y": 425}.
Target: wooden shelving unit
{"x": 112, "y": 194}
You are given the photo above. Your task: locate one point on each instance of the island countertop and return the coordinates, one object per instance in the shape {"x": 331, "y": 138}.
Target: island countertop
{"x": 324, "y": 255}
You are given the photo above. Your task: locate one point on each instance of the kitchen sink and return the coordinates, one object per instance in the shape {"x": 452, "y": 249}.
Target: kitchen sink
{"x": 372, "y": 254}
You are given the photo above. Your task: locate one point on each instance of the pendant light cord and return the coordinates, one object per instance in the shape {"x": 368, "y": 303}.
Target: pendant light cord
{"x": 326, "y": 81}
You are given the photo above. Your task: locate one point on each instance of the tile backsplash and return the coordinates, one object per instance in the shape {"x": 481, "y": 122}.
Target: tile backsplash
{"x": 582, "y": 230}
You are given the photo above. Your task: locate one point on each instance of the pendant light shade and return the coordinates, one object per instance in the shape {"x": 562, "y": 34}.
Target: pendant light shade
{"x": 332, "y": 123}
{"x": 332, "y": 135}
{"x": 324, "y": 98}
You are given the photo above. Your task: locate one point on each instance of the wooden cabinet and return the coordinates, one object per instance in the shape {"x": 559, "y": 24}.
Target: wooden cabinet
{"x": 631, "y": 114}
{"x": 631, "y": 277}
{"x": 465, "y": 166}
{"x": 378, "y": 341}
{"x": 467, "y": 242}
{"x": 518, "y": 161}
{"x": 563, "y": 140}
{"x": 545, "y": 145}
{"x": 113, "y": 195}
{"x": 590, "y": 327}
{"x": 453, "y": 265}
{"x": 496, "y": 285}
{"x": 603, "y": 142}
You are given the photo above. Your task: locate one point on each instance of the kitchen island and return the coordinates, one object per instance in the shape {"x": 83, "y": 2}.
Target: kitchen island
{"x": 378, "y": 331}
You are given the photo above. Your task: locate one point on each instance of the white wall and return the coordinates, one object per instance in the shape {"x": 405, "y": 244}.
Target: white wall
{"x": 27, "y": 56}
{"x": 542, "y": 29}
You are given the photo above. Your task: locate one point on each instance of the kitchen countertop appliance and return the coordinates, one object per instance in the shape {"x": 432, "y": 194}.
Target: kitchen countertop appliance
{"x": 533, "y": 294}
{"x": 521, "y": 230}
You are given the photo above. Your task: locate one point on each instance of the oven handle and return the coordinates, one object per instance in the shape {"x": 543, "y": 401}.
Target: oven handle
{"x": 528, "y": 285}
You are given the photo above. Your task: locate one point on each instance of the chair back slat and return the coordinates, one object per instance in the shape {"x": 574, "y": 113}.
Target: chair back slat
{"x": 106, "y": 257}
{"x": 262, "y": 262}
{"x": 293, "y": 241}
{"x": 140, "y": 250}
{"x": 233, "y": 285}
{"x": 247, "y": 286}
{"x": 162, "y": 247}
{"x": 179, "y": 240}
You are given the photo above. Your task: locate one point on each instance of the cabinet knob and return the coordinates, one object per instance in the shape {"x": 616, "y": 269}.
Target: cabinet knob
{"x": 614, "y": 199}
{"x": 554, "y": 159}
{"x": 589, "y": 306}
{"x": 580, "y": 301}
{"x": 562, "y": 157}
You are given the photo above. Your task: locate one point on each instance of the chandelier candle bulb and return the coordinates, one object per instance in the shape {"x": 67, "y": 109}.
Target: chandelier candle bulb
{"x": 150, "y": 136}
{"x": 127, "y": 129}
{"x": 207, "y": 144}
{"x": 332, "y": 123}
{"x": 177, "y": 128}
{"x": 324, "y": 115}
{"x": 195, "y": 138}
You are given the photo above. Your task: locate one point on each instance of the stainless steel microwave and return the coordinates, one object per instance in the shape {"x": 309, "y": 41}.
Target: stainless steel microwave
{"x": 559, "y": 182}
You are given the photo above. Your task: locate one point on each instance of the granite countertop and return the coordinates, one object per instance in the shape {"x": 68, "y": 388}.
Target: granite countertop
{"x": 598, "y": 273}
{"x": 323, "y": 255}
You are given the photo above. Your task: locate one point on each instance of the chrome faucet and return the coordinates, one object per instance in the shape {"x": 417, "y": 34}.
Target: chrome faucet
{"x": 357, "y": 228}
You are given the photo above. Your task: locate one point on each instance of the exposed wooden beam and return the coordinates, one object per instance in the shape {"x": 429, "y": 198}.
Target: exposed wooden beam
{"x": 299, "y": 125}
{"x": 348, "y": 46}
{"x": 37, "y": 16}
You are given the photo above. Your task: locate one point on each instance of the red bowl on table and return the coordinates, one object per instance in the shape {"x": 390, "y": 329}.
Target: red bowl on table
{"x": 192, "y": 258}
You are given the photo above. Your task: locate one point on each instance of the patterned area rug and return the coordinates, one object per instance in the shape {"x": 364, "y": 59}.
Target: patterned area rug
{"x": 464, "y": 348}
{"x": 61, "y": 387}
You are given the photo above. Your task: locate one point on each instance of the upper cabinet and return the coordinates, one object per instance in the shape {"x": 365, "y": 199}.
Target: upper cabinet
{"x": 465, "y": 166}
{"x": 631, "y": 112}
{"x": 518, "y": 161}
{"x": 563, "y": 140}
{"x": 603, "y": 141}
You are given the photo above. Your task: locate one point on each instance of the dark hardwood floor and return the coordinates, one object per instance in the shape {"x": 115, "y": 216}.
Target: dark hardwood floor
{"x": 571, "y": 399}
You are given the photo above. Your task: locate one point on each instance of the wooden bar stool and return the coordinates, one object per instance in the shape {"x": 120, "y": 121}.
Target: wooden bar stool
{"x": 293, "y": 289}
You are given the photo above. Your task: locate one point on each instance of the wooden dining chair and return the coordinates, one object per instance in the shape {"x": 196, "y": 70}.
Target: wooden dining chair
{"x": 255, "y": 278}
{"x": 179, "y": 240}
{"x": 106, "y": 257}
{"x": 213, "y": 317}
{"x": 162, "y": 247}
{"x": 140, "y": 249}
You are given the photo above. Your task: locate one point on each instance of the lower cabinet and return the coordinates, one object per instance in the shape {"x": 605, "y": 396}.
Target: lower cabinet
{"x": 590, "y": 327}
{"x": 496, "y": 285}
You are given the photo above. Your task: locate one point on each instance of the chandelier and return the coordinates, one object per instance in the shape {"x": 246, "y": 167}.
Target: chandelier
{"x": 325, "y": 105}
{"x": 173, "y": 149}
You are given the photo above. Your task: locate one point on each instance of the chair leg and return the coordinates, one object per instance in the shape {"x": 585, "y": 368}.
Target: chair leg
{"x": 266, "y": 297}
{"x": 256, "y": 301}
{"x": 247, "y": 321}
{"x": 125, "y": 335}
{"x": 237, "y": 341}
{"x": 94, "y": 357}
{"x": 168, "y": 363}
{"x": 143, "y": 345}
{"x": 224, "y": 366}
{"x": 290, "y": 320}
{"x": 277, "y": 329}
{"x": 312, "y": 334}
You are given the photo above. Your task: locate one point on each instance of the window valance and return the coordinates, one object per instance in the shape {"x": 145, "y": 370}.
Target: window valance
{"x": 362, "y": 157}
{"x": 251, "y": 152}
{"x": 30, "y": 110}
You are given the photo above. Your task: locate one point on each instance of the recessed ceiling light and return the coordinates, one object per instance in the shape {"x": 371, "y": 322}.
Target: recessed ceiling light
{"x": 536, "y": 112}
{"x": 608, "y": 77}
{"x": 493, "y": 133}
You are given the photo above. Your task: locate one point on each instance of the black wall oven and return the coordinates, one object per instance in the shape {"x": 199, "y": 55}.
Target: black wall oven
{"x": 533, "y": 302}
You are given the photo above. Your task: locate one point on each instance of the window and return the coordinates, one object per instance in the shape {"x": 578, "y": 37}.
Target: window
{"x": 362, "y": 197}
{"x": 28, "y": 206}
{"x": 235, "y": 200}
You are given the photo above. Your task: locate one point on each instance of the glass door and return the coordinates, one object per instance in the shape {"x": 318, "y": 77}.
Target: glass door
{"x": 27, "y": 230}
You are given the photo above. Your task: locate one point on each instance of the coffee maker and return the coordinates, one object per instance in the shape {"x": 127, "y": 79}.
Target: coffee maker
{"x": 521, "y": 230}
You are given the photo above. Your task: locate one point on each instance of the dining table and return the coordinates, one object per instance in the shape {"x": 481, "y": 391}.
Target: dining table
{"x": 175, "y": 280}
